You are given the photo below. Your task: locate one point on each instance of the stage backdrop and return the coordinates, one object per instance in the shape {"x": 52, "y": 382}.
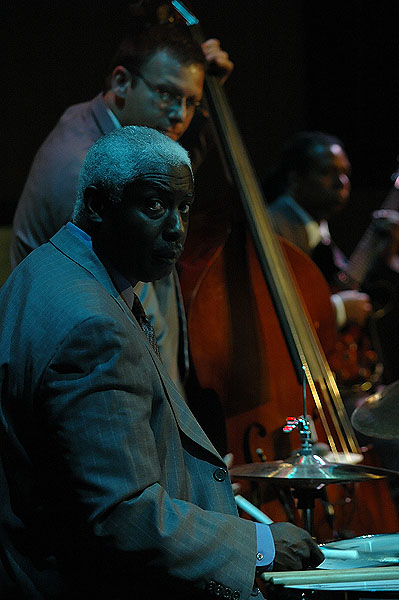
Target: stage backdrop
{"x": 299, "y": 64}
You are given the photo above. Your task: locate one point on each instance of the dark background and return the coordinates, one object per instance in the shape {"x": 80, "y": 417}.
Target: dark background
{"x": 299, "y": 64}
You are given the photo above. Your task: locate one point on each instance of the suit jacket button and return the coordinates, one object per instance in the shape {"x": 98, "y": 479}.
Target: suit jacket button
{"x": 236, "y": 595}
{"x": 220, "y": 474}
{"x": 210, "y": 586}
{"x": 219, "y": 589}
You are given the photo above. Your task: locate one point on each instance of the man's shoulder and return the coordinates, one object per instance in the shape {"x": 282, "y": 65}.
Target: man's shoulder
{"x": 55, "y": 169}
{"x": 64, "y": 269}
{"x": 80, "y": 124}
{"x": 285, "y": 210}
{"x": 284, "y": 204}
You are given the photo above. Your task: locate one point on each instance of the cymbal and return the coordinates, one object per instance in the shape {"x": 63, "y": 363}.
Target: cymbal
{"x": 378, "y": 416}
{"x": 308, "y": 471}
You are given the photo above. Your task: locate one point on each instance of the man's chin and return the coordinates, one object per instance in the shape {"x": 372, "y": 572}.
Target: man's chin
{"x": 158, "y": 273}
{"x": 172, "y": 135}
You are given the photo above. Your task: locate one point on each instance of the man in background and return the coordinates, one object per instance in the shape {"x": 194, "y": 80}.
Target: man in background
{"x": 156, "y": 80}
{"x": 312, "y": 183}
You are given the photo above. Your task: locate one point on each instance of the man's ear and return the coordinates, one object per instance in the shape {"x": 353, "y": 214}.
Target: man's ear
{"x": 94, "y": 203}
{"x": 120, "y": 81}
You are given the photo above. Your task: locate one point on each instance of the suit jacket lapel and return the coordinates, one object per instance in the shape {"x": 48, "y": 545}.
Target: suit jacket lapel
{"x": 75, "y": 249}
{"x": 67, "y": 243}
{"x": 183, "y": 415}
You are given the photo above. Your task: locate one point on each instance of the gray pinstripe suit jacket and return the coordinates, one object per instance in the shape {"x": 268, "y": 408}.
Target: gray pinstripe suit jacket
{"x": 108, "y": 483}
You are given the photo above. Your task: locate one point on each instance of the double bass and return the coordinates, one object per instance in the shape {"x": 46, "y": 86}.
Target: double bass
{"x": 257, "y": 310}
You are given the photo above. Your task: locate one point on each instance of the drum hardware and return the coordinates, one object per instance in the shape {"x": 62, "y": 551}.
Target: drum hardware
{"x": 306, "y": 473}
{"x": 378, "y": 415}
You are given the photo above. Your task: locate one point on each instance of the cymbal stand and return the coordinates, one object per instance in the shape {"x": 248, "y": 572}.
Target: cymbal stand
{"x": 305, "y": 496}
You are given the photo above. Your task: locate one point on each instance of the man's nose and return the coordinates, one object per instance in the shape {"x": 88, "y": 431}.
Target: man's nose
{"x": 178, "y": 111}
{"x": 175, "y": 227}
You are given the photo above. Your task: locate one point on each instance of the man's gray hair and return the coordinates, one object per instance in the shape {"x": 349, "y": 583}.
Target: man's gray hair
{"x": 120, "y": 157}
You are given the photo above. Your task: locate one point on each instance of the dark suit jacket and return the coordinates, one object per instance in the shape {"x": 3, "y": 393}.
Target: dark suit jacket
{"x": 289, "y": 221}
{"x": 109, "y": 486}
{"x": 49, "y": 195}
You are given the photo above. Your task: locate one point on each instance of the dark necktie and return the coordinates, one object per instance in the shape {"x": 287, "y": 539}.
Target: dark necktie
{"x": 143, "y": 321}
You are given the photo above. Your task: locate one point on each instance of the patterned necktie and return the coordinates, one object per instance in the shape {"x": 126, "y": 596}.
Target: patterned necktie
{"x": 144, "y": 322}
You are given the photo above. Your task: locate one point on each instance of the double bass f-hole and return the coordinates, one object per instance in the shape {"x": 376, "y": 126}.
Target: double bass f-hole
{"x": 261, "y": 432}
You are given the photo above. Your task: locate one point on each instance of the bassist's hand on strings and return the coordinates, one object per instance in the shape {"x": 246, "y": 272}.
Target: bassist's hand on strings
{"x": 218, "y": 59}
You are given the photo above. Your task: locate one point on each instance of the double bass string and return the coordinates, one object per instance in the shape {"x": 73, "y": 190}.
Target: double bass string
{"x": 274, "y": 265}
{"x": 299, "y": 334}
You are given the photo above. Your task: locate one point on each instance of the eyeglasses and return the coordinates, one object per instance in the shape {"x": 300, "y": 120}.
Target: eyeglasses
{"x": 168, "y": 99}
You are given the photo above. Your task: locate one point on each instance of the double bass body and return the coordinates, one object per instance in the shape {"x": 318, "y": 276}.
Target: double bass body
{"x": 239, "y": 352}
{"x": 255, "y": 328}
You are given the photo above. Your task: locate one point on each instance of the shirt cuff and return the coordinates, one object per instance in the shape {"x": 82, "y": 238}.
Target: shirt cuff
{"x": 340, "y": 311}
{"x": 265, "y": 550}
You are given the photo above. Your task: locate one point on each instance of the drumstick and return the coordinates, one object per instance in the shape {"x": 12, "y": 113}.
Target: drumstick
{"x": 260, "y": 516}
{"x": 332, "y": 576}
{"x": 254, "y": 512}
{"x": 339, "y": 554}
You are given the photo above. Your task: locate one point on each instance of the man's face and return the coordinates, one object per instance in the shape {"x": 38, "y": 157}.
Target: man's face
{"x": 144, "y": 235}
{"x": 325, "y": 189}
{"x": 165, "y": 73}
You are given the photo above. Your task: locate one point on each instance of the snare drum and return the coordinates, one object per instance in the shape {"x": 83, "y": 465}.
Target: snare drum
{"x": 373, "y": 551}
{"x": 373, "y": 574}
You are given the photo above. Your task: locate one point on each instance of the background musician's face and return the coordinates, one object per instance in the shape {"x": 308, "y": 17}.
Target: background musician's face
{"x": 325, "y": 188}
{"x": 163, "y": 75}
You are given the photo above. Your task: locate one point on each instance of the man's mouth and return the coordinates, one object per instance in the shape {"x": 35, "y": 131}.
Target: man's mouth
{"x": 170, "y": 133}
{"x": 167, "y": 257}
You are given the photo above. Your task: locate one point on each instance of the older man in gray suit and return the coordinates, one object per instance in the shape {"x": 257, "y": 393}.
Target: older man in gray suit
{"x": 110, "y": 488}
{"x": 156, "y": 80}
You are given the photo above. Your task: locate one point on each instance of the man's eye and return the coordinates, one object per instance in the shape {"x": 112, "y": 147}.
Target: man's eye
{"x": 154, "y": 205}
{"x": 165, "y": 95}
{"x": 191, "y": 103}
{"x": 185, "y": 208}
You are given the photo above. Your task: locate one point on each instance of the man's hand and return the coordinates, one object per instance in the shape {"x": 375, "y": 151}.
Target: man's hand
{"x": 218, "y": 59}
{"x": 295, "y": 548}
{"x": 357, "y": 306}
